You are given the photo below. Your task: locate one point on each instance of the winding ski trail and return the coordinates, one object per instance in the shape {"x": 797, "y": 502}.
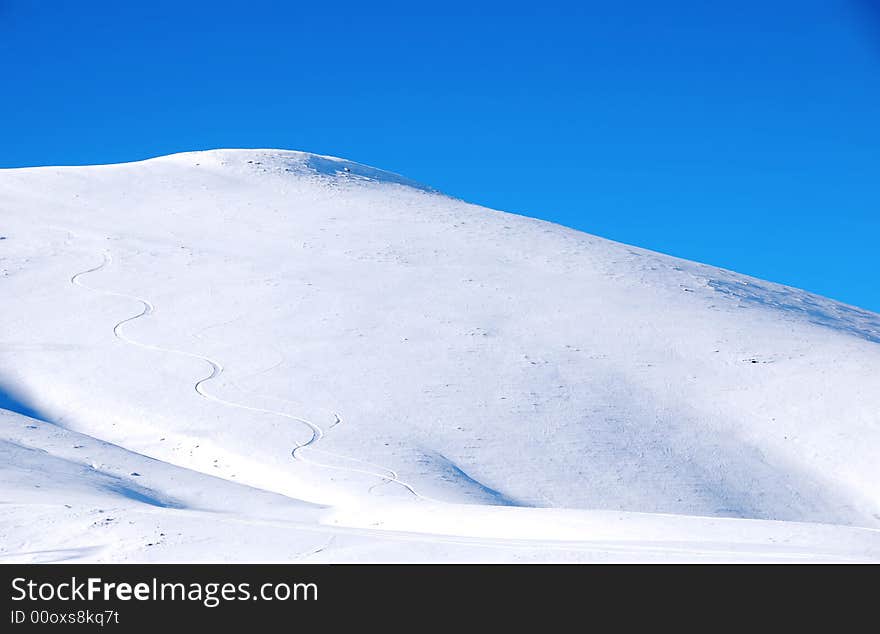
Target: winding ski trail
{"x": 391, "y": 477}
{"x": 391, "y": 474}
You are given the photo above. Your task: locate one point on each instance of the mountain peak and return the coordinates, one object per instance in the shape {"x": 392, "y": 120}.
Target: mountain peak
{"x": 296, "y": 162}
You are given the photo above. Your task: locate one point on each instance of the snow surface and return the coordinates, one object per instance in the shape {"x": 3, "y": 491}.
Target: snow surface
{"x": 262, "y": 355}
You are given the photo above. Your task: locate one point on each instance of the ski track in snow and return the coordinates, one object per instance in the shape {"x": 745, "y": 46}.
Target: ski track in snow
{"x": 317, "y": 549}
{"x": 391, "y": 477}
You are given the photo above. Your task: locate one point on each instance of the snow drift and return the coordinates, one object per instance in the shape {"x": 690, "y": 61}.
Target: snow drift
{"x": 273, "y": 355}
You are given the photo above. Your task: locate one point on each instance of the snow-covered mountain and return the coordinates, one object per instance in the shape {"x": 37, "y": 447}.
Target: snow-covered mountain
{"x": 273, "y": 355}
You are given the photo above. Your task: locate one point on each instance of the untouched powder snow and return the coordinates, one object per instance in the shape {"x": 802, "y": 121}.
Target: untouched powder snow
{"x": 262, "y": 355}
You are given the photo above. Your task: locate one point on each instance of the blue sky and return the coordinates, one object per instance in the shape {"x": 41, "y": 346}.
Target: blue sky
{"x": 743, "y": 134}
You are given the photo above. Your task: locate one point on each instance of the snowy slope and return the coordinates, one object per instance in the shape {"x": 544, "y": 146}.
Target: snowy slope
{"x": 303, "y": 357}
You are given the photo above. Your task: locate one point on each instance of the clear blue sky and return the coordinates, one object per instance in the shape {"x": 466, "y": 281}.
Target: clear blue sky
{"x": 743, "y": 134}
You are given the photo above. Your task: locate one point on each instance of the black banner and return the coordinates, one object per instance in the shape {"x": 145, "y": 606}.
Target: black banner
{"x": 124, "y": 597}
